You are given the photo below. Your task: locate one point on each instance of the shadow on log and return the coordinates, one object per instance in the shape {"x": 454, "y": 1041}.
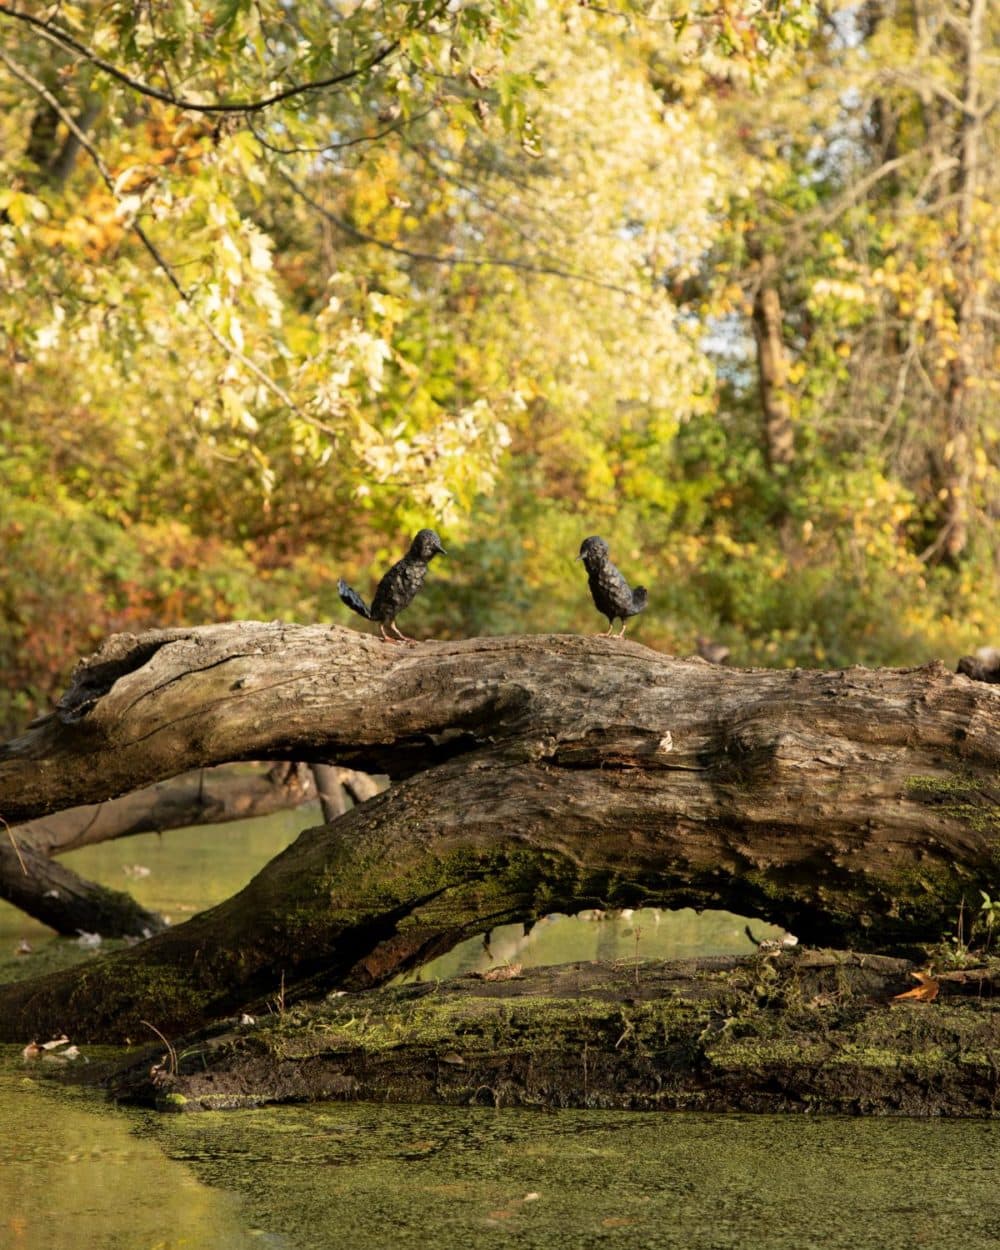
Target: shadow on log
{"x": 854, "y": 808}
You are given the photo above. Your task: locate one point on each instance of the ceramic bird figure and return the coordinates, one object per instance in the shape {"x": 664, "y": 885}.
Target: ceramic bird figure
{"x": 398, "y": 587}
{"x": 611, "y": 592}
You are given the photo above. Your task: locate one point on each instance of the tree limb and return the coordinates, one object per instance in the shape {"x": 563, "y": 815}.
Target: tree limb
{"x": 63, "y": 39}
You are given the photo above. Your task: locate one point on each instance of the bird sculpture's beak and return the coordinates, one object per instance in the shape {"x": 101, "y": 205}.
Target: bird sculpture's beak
{"x": 441, "y": 551}
{"x": 579, "y": 557}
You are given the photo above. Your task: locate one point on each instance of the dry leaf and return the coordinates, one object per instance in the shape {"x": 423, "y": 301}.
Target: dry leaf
{"x": 925, "y": 992}
{"x": 506, "y": 972}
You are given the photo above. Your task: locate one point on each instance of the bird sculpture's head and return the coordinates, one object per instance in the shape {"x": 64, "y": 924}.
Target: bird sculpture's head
{"x": 593, "y": 551}
{"x": 425, "y": 545}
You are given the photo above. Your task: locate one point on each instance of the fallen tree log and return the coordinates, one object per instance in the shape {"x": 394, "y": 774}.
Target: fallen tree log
{"x": 207, "y": 797}
{"x": 857, "y": 808}
{"x": 817, "y": 1031}
{"x": 68, "y": 903}
{"x": 65, "y": 901}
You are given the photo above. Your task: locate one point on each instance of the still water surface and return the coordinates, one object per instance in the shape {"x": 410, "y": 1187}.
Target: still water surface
{"x": 78, "y": 1174}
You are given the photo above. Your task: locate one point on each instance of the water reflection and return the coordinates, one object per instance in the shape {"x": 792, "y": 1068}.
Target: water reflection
{"x": 74, "y": 1176}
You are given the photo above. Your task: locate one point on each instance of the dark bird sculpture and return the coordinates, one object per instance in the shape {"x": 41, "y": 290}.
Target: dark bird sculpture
{"x": 398, "y": 588}
{"x": 610, "y": 590}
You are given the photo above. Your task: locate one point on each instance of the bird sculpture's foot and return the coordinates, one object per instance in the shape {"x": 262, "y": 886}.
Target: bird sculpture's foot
{"x": 387, "y": 637}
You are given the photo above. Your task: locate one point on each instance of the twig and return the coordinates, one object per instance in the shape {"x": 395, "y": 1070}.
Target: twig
{"x": 17, "y": 849}
{"x": 171, "y": 1053}
{"x": 434, "y": 258}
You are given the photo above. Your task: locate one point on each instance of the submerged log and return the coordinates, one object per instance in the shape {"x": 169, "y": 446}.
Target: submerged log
{"x": 857, "y": 808}
{"x": 815, "y": 1031}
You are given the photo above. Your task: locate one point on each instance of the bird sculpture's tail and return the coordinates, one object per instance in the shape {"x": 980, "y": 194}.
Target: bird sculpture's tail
{"x": 640, "y": 597}
{"x": 353, "y": 600}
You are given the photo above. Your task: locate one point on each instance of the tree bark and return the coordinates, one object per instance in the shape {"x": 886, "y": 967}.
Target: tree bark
{"x": 958, "y": 452}
{"x": 815, "y": 1031}
{"x": 854, "y": 808}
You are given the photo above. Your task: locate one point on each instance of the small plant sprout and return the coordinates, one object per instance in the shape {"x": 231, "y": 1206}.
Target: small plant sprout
{"x": 989, "y": 915}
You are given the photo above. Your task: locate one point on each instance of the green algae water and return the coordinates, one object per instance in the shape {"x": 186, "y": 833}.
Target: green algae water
{"x": 78, "y": 1174}
{"x": 81, "y": 1174}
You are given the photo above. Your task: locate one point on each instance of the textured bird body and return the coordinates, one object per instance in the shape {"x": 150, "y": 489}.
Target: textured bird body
{"x": 610, "y": 591}
{"x": 398, "y": 588}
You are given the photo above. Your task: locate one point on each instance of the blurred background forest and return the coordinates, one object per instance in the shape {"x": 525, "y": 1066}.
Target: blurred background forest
{"x": 283, "y": 282}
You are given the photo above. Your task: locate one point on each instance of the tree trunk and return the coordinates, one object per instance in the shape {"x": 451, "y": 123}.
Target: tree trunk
{"x": 958, "y": 452}
{"x": 813, "y": 1031}
{"x": 772, "y": 370}
{"x": 855, "y": 808}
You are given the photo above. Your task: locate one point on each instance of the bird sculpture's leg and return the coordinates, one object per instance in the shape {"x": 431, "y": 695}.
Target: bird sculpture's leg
{"x": 399, "y": 633}
{"x": 607, "y": 632}
{"x": 621, "y": 632}
{"x": 385, "y": 636}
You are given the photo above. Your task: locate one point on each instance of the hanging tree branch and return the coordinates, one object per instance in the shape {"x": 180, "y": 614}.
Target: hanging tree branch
{"x": 66, "y": 41}
{"x": 436, "y": 258}
{"x": 159, "y": 259}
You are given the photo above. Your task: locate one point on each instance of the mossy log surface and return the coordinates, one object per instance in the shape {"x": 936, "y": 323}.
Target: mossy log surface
{"x": 809, "y": 1031}
{"x": 536, "y": 774}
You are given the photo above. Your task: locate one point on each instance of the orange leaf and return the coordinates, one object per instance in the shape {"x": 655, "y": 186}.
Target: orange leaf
{"x": 925, "y": 992}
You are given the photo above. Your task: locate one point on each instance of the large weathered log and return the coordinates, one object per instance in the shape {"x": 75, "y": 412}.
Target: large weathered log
{"x": 796, "y": 1031}
{"x": 855, "y": 808}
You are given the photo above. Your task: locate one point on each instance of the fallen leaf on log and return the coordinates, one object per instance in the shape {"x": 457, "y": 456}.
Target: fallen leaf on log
{"x": 925, "y": 992}
{"x": 506, "y": 972}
